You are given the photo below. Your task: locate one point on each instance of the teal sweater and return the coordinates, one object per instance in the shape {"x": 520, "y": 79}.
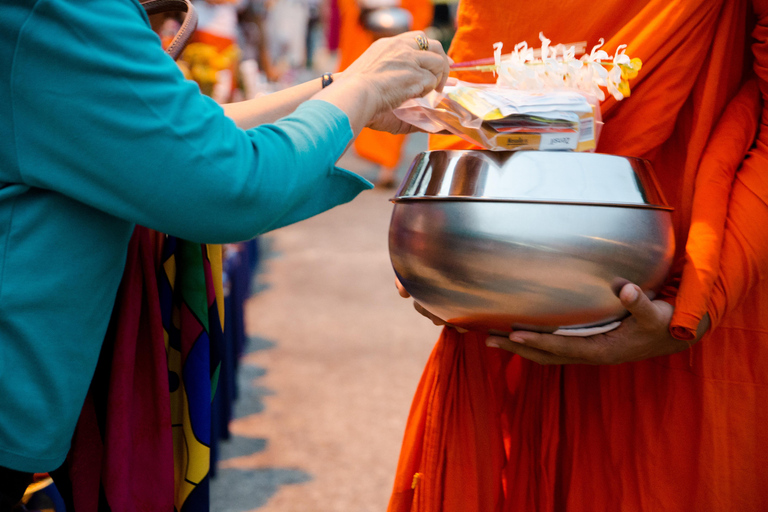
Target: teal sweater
{"x": 99, "y": 131}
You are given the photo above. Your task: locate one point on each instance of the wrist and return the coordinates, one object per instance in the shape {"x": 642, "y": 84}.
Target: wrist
{"x": 355, "y": 96}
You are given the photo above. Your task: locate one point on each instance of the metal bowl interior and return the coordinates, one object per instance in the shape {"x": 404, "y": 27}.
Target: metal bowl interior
{"x": 548, "y": 176}
{"x": 483, "y": 261}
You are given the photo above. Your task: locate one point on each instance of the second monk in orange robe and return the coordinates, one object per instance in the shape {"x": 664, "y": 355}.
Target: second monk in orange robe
{"x": 381, "y": 148}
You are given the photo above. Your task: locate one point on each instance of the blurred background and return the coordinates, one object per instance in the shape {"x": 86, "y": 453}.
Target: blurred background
{"x": 324, "y": 354}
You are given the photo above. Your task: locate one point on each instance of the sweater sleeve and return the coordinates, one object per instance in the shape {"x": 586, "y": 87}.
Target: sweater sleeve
{"x": 101, "y": 114}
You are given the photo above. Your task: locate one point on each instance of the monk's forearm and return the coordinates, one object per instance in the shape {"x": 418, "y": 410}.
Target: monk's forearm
{"x": 744, "y": 254}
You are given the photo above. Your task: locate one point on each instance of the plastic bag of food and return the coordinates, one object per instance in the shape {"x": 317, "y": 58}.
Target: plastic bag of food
{"x": 543, "y": 99}
{"x": 505, "y": 119}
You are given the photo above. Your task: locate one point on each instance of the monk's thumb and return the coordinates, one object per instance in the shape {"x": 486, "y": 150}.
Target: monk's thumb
{"x": 637, "y": 303}
{"x": 401, "y": 289}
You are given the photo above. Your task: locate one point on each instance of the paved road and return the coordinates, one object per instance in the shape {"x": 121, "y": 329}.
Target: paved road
{"x": 335, "y": 358}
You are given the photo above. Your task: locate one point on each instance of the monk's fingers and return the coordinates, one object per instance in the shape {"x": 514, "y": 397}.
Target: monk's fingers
{"x": 532, "y": 354}
{"x": 591, "y": 350}
{"x": 435, "y": 319}
{"x": 424, "y": 312}
{"x": 643, "y": 310}
{"x": 401, "y": 289}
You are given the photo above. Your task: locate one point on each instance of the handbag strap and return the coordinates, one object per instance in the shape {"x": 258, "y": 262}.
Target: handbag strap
{"x": 188, "y": 26}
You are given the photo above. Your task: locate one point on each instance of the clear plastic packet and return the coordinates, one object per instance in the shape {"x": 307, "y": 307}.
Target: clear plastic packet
{"x": 543, "y": 99}
{"x": 505, "y": 119}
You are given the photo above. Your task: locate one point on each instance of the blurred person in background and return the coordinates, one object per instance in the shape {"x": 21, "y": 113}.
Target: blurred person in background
{"x": 218, "y": 32}
{"x": 256, "y": 47}
{"x": 287, "y": 30}
{"x": 381, "y": 149}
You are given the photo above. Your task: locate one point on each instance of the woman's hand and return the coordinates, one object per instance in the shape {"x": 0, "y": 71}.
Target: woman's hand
{"x": 643, "y": 335}
{"x": 388, "y": 122}
{"x": 391, "y": 71}
{"x": 397, "y": 69}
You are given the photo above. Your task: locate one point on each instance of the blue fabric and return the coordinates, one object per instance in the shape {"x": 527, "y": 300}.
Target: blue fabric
{"x": 99, "y": 131}
{"x": 239, "y": 266}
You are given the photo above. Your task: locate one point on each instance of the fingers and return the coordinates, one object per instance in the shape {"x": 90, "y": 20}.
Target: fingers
{"x": 398, "y": 70}
{"x": 642, "y": 335}
{"x": 401, "y": 289}
{"x": 430, "y": 45}
{"x": 437, "y": 66}
{"x": 444, "y": 77}
{"x": 639, "y": 305}
{"x": 436, "y": 48}
{"x": 530, "y": 353}
{"x": 567, "y": 347}
{"x": 440, "y": 67}
{"x": 435, "y": 320}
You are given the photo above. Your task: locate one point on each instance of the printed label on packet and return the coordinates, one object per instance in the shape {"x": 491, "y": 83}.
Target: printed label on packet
{"x": 559, "y": 141}
{"x": 517, "y": 142}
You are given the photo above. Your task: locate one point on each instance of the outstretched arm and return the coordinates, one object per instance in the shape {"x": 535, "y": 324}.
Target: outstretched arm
{"x": 388, "y": 73}
{"x": 268, "y": 109}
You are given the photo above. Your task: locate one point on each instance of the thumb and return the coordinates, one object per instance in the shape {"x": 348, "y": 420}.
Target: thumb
{"x": 401, "y": 289}
{"x": 637, "y": 303}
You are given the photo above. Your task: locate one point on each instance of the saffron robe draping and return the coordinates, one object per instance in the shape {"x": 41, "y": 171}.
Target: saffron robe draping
{"x": 491, "y": 432}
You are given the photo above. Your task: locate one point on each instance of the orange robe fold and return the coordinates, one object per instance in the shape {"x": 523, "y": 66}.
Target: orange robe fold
{"x": 379, "y": 147}
{"x": 729, "y": 144}
{"x": 676, "y": 433}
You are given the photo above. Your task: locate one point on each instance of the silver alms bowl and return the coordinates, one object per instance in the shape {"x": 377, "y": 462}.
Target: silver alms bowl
{"x": 530, "y": 240}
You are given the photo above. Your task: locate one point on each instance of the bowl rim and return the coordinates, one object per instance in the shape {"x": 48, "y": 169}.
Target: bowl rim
{"x": 474, "y": 199}
{"x": 642, "y": 168}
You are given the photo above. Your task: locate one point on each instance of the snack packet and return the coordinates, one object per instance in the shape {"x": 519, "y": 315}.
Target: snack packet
{"x": 504, "y": 119}
{"x": 541, "y": 100}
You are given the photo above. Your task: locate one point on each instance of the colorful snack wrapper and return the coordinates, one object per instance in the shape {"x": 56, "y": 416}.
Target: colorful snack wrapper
{"x": 543, "y": 99}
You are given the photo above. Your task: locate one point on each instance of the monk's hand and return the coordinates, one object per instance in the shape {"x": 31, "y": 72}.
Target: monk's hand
{"x": 435, "y": 320}
{"x": 640, "y": 336}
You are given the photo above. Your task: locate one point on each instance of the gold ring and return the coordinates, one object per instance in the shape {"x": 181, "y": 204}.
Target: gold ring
{"x": 423, "y": 42}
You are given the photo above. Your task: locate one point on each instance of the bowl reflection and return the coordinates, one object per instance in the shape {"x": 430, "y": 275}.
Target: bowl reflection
{"x": 533, "y": 240}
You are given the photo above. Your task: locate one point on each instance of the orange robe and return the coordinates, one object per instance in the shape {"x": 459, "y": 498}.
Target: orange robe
{"x": 492, "y": 432}
{"x": 379, "y": 147}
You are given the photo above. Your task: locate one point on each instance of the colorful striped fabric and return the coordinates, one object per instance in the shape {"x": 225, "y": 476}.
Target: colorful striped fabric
{"x": 193, "y": 337}
{"x": 143, "y": 438}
